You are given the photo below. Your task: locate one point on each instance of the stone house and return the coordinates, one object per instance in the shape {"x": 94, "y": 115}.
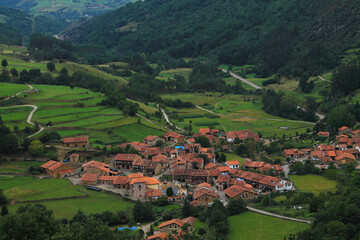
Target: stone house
{"x": 80, "y": 142}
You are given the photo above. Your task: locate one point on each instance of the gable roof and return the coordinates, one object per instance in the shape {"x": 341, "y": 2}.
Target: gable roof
{"x": 76, "y": 140}
{"x": 233, "y": 162}
{"x": 173, "y": 221}
{"x": 48, "y": 164}
{"x": 161, "y": 235}
{"x": 125, "y": 157}
{"x": 89, "y": 177}
{"x": 151, "y": 138}
{"x": 253, "y": 164}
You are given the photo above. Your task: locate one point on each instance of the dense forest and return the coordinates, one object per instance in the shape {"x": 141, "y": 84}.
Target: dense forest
{"x": 16, "y": 26}
{"x": 279, "y": 34}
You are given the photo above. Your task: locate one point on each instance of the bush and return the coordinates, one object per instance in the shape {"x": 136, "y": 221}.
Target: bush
{"x": 210, "y": 115}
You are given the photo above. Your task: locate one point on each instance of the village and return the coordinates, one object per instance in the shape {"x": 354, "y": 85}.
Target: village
{"x": 179, "y": 163}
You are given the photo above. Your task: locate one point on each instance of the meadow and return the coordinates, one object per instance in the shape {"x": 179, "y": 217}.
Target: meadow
{"x": 9, "y": 89}
{"x": 249, "y": 225}
{"x": 231, "y": 157}
{"x": 313, "y": 183}
{"x": 233, "y": 112}
{"x": 17, "y": 166}
{"x": 75, "y": 112}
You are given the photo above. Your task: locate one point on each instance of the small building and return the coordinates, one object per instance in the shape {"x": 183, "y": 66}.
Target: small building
{"x": 345, "y": 158}
{"x": 99, "y": 168}
{"x": 241, "y": 135}
{"x": 356, "y": 133}
{"x": 324, "y": 134}
{"x": 176, "y": 225}
{"x": 150, "y": 140}
{"x": 293, "y": 153}
{"x": 89, "y": 179}
{"x": 153, "y": 168}
{"x": 173, "y": 137}
{"x": 125, "y": 161}
{"x": 245, "y": 194}
{"x": 80, "y": 142}
{"x": 344, "y": 130}
{"x": 57, "y": 169}
{"x": 158, "y": 236}
{"x": 204, "y": 194}
{"x": 75, "y": 157}
{"x": 233, "y": 164}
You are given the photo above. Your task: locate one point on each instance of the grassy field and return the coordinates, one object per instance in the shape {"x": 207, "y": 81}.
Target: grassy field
{"x": 60, "y": 106}
{"x": 235, "y": 112}
{"x": 313, "y": 183}
{"x": 166, "y": 74}
{"x": 29, "y": 188}
{"x": 249, "y": 225}
{"x": 9, "y": 89}
{"x": 17, "y": 166}
{"x": 231, "y": 157}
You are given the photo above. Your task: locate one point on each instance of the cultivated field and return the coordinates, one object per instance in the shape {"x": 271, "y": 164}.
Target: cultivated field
{"x": 249, "y": 225}
{"x": 233, "y": 112}
{"x": 313, "y": 183}
{"x": 9, "y": 89}
{"x": 17, "y": 166}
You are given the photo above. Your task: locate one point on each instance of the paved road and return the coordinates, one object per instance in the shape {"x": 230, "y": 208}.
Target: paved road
{"x": 323, "y": 79}
{"x": 278, "y": 216}
{"x": 243, "y": 79}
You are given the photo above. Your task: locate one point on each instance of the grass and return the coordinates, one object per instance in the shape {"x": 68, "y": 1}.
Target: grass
{"x": 31, "y": 188}
{"x": 171, "y": 73}
{"x": 249, "y": 225}
{"x": 17, "y": 166}
{"x": 136, "y": 132}
{"x": 313, "y": 183}
{"x": 9, "y": 89}
{"x": 231, "y": 157}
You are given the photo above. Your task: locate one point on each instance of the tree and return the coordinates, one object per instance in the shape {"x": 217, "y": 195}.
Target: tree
{"x": 36, "y": 148}
{"x": 169, "y": 192}
{"x": 143, "y": 212}
{"x": 4, "y": 63}
{"x": 50, "y": 66}
{"x": 204, "y": 141}
{"x": 3, "y": 199}
{"x": 4, "y": 210}
{"x": 236, "y": 206}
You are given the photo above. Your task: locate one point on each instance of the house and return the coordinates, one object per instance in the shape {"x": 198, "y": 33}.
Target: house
{"x": 204, "y": 194}
{"x": 293, "y": 153}
{"x": 153, "y": 168}
{"x": 125, "y": 161}
{"x": 76, "y": 142}
{"x": 57, "y": 169}
{"x": 277, "y": 168}
{"x": 99, "y": 168}
{"x": 192, "y": 148}
{"x": 211, "y": 166}
{"x": 150, "y": 140}
{"x": 344, "y": 130}
{"x": 75, "y": 157}
{"x": 158, "y": 236}
{"x": 122, "y": 182}
{"x": 269, "y": 183}
{"x": 176, "y": 225}
{"x": 324, "y": 134}
{"x": 192, "y": 176}
{"x": 138, "y": 146}
{"x": 224, "y": 169}
{"x": 241, "y": 135}
{"x": 245, "y": 193}
{"x": 152, "y": 194}
{"x": 233, "y": 164}
{"x": 89, "y": 179}
{"x": 222, "y": 182}
{"x": 342, "y": 139}
{"x": 252, "y": 164}
{"x": 173, "y": 137}
{"x": 345, "y": 158}
{"x": 356, "y": 133}
{"x": 140, "y": 186}
{"x": 316, "y": 155}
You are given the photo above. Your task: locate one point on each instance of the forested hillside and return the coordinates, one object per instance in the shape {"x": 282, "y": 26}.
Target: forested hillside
{"x": 280, "y": 34}
{"x": 64, "y": 9}
{"x": 16, "y": 26}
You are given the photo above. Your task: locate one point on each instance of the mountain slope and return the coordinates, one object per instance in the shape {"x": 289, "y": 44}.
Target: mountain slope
{"x": 65, "y": 9}
{"x": 277, "y": 33}
{"x": 16, "y": 26}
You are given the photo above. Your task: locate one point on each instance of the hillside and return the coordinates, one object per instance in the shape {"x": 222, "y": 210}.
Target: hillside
{"x": 16, "y": 26}
{"x": 276, "y": 33}
{"x": 65, "y": 9}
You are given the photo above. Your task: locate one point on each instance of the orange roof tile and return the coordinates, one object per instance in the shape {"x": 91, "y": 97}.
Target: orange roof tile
{"x": 161, "y": 235}
{"x": 89, "y": 177}
{"x": 224, "y": 169}
{"x": 234, "y": 162}
{"x": 147, "y": 180}
{"x": 76, "y": 140}
{"x": 173, "y": 221}
{"x": 48, "y": 164}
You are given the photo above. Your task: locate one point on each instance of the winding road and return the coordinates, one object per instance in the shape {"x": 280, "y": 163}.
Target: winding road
{"x": 28, "y": 120}
{"x": 242, "y": 79}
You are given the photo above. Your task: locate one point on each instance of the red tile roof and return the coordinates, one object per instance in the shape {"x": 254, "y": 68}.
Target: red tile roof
{"x": 146, "y": 180}
{"x": 343, "y": 128}
{"x": 48, "y": 164}
{"x": 224, "y": 169}
{"x": 66, "y": 171}
{"x": 121, "y": 180}
{"x": 173, "y": 221}
{"x": 76, "y": 140}
{"x": 151, "y": 138}
{"x": 234, "y": 162}
{"x": 172, "y": 134}
{"x": 204, "y": 130}
{"x": 253, "y": 164}
{"x": 153, "y": 192}
{"x": 161, "y": 235}
{"x": 125, "y": 157}
{"x": 55, "y": 166}
{"x": 211, "y": 166}
{"x": 89, "y": 177}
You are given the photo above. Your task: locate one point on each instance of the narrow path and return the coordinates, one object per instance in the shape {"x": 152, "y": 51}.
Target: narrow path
{"x": 28, "y": 120}
{"x": 137, "y": 114}
{"x": 278, "y": 216}
{"x": 242, "y": 79}
{"x": 323, "y": 79}
{"x": 268, "y": 119}
{"x": 168, "y": 121}
{"x": 30, "y": 88}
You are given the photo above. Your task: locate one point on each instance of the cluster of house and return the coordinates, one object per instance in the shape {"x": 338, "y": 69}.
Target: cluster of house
{"x": 189, "y": 163}
{"x": 345, "y": 149}
{"x": 178, "y": 226}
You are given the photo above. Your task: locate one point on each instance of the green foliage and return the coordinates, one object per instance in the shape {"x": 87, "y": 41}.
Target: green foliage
{"x": 204, "y": 141}
{"x": 4, "y": 63}
{"x": 236, "y": 206}
{"x": 143, "y": 212}
{"x": 36, "y": 148}
{"x": 169, "y": 192}
{"x": 346, "y": 78}
{"x": 340, "y": 116}
{"x": 50, "y": 66}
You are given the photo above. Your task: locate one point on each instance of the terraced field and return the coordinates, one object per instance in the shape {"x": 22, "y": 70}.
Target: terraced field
{"x": 75, "y": 112}
{"x": 233, "y": 112}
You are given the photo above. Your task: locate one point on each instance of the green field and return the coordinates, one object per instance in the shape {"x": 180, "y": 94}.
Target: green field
{"x": 9, "y": 89}
{"x": 58, "y": 105}
{"x": 313, "y": 183}
{"x": 29, "y": 188}
{"x": 249, "y": 225}
{"x": 235, "y": 112}
{"x": 17, "y": 166}
{"x": 231, "y": 157}
{"x": 166, "y": 74}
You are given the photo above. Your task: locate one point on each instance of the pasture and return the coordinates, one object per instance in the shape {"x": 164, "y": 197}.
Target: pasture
{"x": 29, "y": 188}
{"x": 76, "y": 112}
{"x": 9, "y": 89}
{"x": 17, "y": 166}
{"x": 313, "y": 183}
{"x": 231, "y": 157}
{"x": 249, "y": 225}
{"x": 233, "y": 112}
